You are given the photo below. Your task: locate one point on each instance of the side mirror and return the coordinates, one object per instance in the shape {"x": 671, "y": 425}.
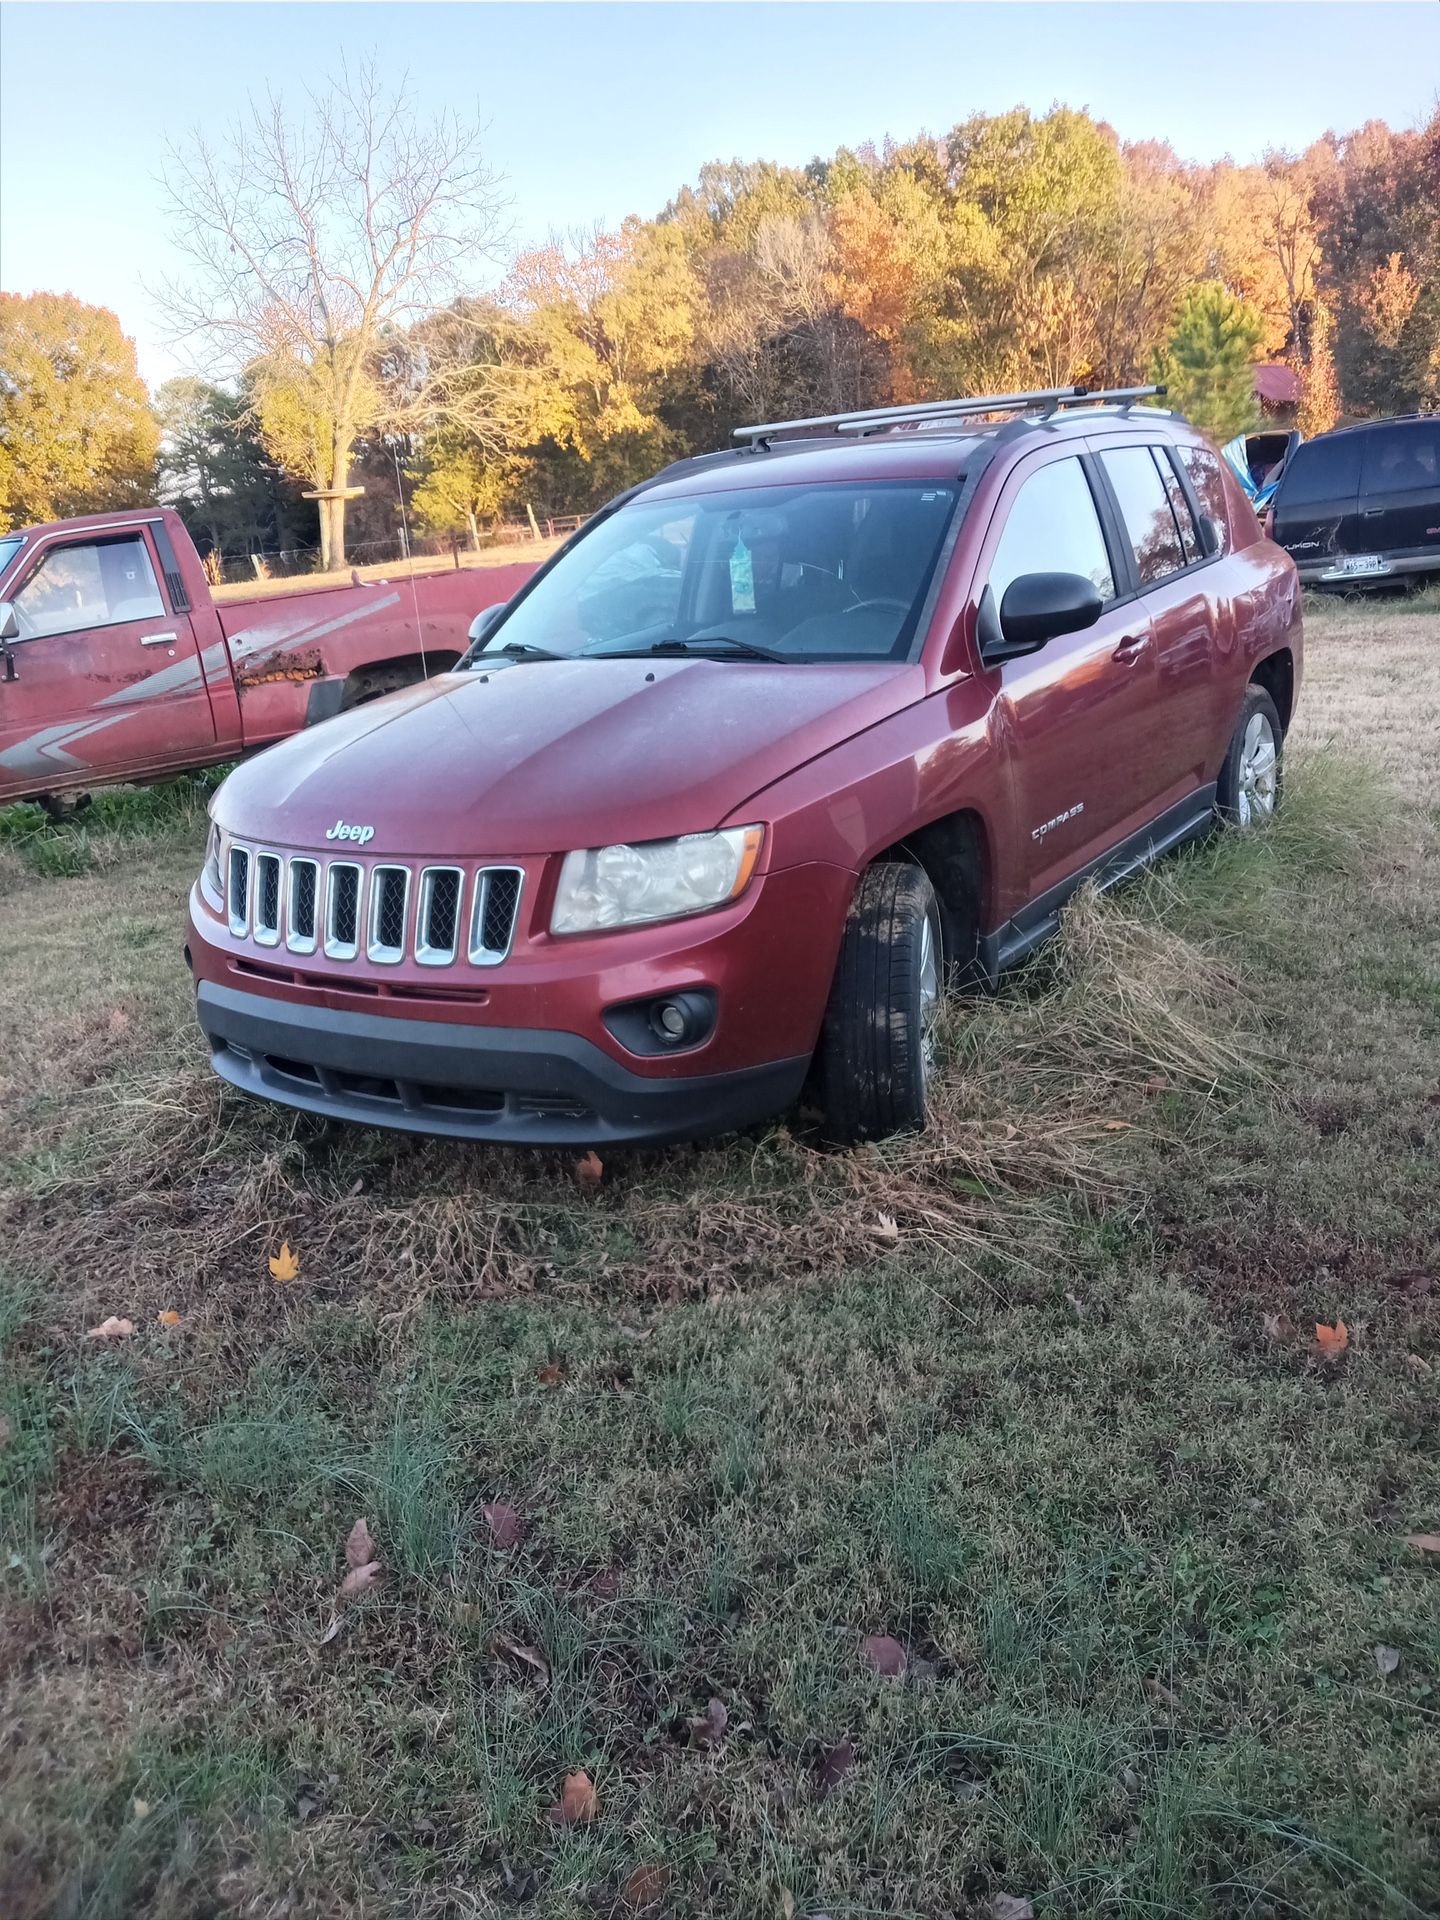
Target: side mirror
{"x": 484, "y": 622}
{"x": 1037, "y": 607}
{"x": 9, "y": 622}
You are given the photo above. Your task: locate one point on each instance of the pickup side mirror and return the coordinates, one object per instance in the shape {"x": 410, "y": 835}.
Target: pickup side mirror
{"x": 1037, "y": 607}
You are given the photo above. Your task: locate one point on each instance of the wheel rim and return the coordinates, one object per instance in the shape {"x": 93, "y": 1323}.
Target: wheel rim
{"x": 929, "y": 997}
{"x": 1259, "y": 771}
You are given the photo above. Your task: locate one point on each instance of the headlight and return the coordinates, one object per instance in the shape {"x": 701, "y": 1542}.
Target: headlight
{"x": 212, "y": 874}
{"x": 659, "y": 880}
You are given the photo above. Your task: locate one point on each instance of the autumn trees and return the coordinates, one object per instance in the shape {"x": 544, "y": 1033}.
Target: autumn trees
{"x": 310, "y": 238}
{"x": 76, "y": 431}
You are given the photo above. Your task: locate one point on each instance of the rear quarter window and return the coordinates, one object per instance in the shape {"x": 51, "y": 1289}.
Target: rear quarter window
{"x": 1322, "y": 470}
{"x": 1403, "y": 458}
{"x": 1207, "y": 477}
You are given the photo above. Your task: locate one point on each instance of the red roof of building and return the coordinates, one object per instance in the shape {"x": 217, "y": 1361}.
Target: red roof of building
{"x": 1278, "y": 386}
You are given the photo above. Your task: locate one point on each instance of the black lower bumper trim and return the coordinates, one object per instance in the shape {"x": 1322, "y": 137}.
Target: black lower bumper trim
{"x": 507, "y": 1084}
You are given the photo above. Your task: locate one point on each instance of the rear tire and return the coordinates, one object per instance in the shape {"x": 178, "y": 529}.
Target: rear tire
{"x": 1252, "y": 777}
{"x": 876, "y": 1052}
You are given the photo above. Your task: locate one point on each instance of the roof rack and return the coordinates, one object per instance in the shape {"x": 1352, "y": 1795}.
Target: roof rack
{"x": 874, "y": 419}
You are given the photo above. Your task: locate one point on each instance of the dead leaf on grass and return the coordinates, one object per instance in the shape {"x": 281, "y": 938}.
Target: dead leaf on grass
{"x": 1157, "y": 1690}
{"x": 1157, "y": 1084}
{"x": 1010, "y": 1906}
{"x": 1278, "y": 1326}
{"x": 886, "y": 1655}
{"x": 1417, "y": 1365}
{"x": 140, "y": 1808}
{"x": 590, "y": 1170}
{"x": 578, "y": 1803}
{"x": 835, "y": 1763}
{"x": 1331, "y": 1342}
{"x": 112, "y": 1329}
{"x": 507, "y": 1527}
{"x": 167, "y": 1318}
{"x": 6, "y": 1430}
{"x": 708, "y": 1729}
{"x": 527, "y": 1656}
{"x": 284, "y": 1265}
{"x": 1116, "y": 1126}
{"x": 1426, "y": 1542}
{"x": 645, "y": 1888}
{"x": 1414, "y": 1283}
{"x": 886, "y": 1227}
{"x": 551, "y": 1375}
{"x": 1387, "y": 1660}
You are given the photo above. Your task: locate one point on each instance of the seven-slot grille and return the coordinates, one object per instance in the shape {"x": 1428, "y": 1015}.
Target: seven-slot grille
{"x": 390, "y": 911}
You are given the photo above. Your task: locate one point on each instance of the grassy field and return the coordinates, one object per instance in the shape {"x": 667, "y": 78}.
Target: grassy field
{"x": 662, "y": 1473}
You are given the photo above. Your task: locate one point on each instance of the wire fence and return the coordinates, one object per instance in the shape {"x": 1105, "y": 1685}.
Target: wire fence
{"x": 236, "y": 568}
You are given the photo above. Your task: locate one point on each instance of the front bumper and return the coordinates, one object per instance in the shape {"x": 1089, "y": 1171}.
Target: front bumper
{"x": 525, "y": 1086}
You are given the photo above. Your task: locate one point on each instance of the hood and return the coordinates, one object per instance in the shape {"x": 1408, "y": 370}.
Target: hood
{"x": 544, "y": 756}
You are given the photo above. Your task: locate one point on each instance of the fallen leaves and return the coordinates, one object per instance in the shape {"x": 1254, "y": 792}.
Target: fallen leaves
{"x": 1331, "y": 1342}
{"x": 1278, "y": 1326}
{"x": 1010, "y": 1906}
{"x": 835, "y": 1763}
{"x": 551, "y": 1375}
{"x": 168, "y": 1317}
{"x": 1426, "y": 1542}
{"x": 578, "y": 1803}
{"x": 284, "y": 1265}
{"x": 645, "y": 1887}
{"x": 589, "y": 1170}
{"x": 362, "y": 1569}
{"x": 1167, "y": 1697}
{"x": 112, "y": 1329}
{"x": 886, "y": 1655}
{"x": 1387, "y": 1660}
{"x": 507, "y": 1526}
{"x": 886, "y": 1227}
{"x": 501, "y": 1643}
{"x": 708, "y": 1729}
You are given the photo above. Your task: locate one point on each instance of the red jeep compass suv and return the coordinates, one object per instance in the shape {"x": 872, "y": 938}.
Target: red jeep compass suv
{"x": 781, "y": 742}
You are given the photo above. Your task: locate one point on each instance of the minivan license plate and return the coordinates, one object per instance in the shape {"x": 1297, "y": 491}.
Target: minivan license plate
{"x": 1363, "y": 563}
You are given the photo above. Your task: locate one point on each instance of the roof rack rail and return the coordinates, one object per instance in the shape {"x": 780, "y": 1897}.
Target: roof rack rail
{"x": 873, "y": 419}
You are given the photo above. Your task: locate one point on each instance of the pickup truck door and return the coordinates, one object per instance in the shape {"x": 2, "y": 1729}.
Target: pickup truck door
{"x": 103, "y": 680}
{"x": 1076, "y": 713}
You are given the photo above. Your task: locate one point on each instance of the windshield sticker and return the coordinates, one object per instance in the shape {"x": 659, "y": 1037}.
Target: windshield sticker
{"x": 742, "y": 578}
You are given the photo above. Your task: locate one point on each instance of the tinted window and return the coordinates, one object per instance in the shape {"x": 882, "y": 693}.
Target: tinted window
{"x": 1403, "y": 459}
{"x": 1323, "y": 469}
{"x": 822, "y": 572}
{"x": 1208, "y": 480}
{"x": 1053, "y": 528}
{"x": 1179, "y": 505}
{"x": 99, "y": 585}
{"x": 1145, "y": 510}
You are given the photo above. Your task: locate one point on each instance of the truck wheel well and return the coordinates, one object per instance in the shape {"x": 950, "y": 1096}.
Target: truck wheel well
{"x": 955, "y": 855}
{"x": 385, "y": 676}
{"x": 1276, "y": 674}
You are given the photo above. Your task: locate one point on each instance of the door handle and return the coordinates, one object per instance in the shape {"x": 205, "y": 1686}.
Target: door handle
{"x": 1371, "y": 513}
{"x": 158, "y": 639}
{"x": 1132, "y": 643}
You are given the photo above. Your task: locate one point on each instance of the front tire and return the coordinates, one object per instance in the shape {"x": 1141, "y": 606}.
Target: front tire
{"x": 1252, "y": 777}
{"x": 877, "y": 1045}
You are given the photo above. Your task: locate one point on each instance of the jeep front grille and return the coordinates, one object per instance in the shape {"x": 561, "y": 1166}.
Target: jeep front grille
{"x": 390, "y": 912}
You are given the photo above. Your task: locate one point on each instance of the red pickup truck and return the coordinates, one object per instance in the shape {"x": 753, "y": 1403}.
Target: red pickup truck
{"x": 784, "y": 741}
{"x": 116, "y": 663}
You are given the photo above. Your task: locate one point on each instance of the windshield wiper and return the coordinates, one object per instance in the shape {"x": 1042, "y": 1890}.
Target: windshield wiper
{"x": 723, "y": 644}
{"x": 518, "y": 650}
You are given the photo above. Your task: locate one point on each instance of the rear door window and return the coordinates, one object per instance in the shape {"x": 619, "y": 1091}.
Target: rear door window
{"x": 1404, "y": 458}
{"x": 1053, "y": 527}
{"x": 1326, "y": 469}
{"x": 1145, "y": 510}
{"x": 1179, "y": 505}
{"x": 1208, "y": 480}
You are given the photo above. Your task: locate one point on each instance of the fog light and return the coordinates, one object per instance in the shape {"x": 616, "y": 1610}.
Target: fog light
{"x": 671, "y": 1020}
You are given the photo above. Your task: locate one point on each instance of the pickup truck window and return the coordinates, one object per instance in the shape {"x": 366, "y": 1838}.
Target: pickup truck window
{"x": 828, "y": 572}
{"x": 1145, "y": 509}
{"x": 1053, "y": 528}
{"x": 98, "y": 584}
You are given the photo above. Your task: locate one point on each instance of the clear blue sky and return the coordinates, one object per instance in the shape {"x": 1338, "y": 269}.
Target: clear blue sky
{"x": 597, "y": 111}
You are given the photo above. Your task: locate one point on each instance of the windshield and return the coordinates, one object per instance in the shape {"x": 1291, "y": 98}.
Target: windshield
{"x": 834, "y": 572}
{"x": 8, "y": 551}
